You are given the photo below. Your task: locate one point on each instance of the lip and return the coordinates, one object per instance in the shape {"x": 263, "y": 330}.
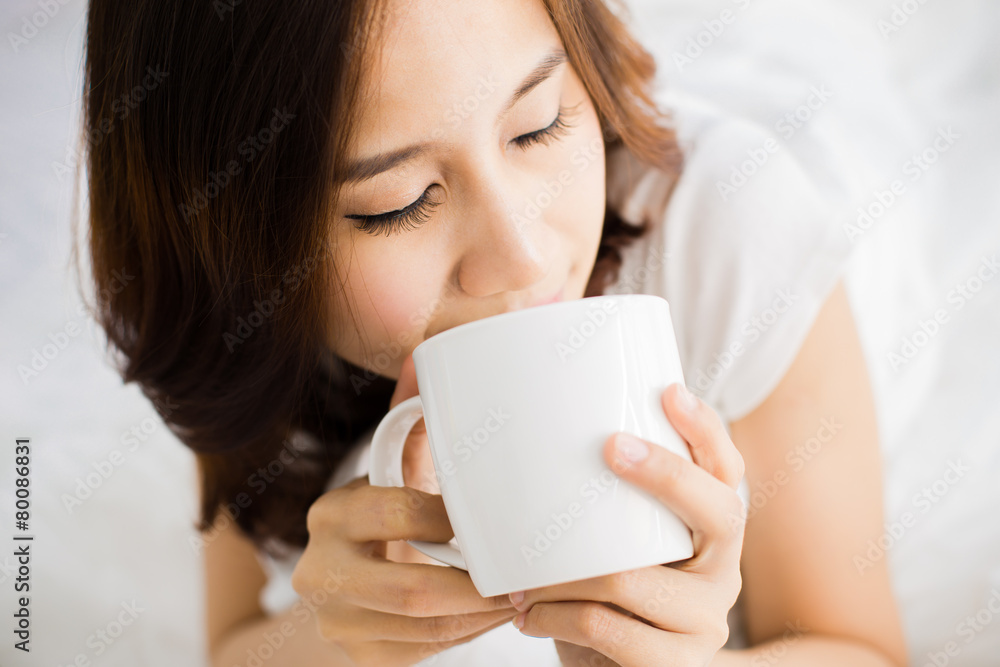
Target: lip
{"x": 552, "y": 299}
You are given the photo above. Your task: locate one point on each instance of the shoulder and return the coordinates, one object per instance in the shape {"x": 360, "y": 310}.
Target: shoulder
{"x": 745, "y": 247}
{"x": 736, "y": 174}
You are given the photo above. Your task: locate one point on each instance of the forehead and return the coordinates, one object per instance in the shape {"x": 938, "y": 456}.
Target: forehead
{"x": 433, "y": 54}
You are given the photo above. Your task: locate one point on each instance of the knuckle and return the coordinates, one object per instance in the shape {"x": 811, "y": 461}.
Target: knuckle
{"x": 414, "y": 596}
{"x": 318, "y": 514}
{"x": 413, "y": 499}
{"x": 301, "y": 580}
{"x": 299, "y": 585}
{"x": 327, "y": 510}
{"x": 447, "y": 628}
{"x": 444, "y": 628}
{"x": 499, "y": 602}
{"x": 396, "y": 511}
{"x": 329, "y": 631}
{"x": 537, "y": 617}
{"x": 595, "y": 622}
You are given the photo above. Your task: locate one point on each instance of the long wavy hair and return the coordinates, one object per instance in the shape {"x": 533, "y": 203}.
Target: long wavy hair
{"x": 213, "y": 135}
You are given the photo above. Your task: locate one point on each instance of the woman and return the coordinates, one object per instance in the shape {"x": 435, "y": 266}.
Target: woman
{"x": 292, "y": 247}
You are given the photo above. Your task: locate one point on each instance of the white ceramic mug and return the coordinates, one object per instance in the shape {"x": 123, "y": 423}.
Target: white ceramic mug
{"x": 517, "y": 408}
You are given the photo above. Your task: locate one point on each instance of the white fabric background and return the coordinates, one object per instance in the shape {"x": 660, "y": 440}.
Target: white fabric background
{"x": 129, "y": 541}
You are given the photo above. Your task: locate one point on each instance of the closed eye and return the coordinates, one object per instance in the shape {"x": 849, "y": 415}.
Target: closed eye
{"x": 412, "y": 216}
{"x": 556, "y": 128}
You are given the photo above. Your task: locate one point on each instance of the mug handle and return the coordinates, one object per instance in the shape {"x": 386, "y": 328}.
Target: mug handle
{"x": 386, "y": 468}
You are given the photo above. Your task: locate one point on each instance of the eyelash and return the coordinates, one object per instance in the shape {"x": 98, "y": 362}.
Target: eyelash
{"x": 417, "y": 213}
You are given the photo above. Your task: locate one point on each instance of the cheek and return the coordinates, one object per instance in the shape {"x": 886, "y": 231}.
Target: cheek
{"x": 387, "y": 292}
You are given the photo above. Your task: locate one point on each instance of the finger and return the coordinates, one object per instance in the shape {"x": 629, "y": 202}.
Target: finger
{"x": 409, "y": 653}
{"x": 712, "y": 510}
{"x": 666, "y": 597}
{"x": 701, "y": 427}
{"x": 416, "y": 589}
{"x": 368, "y": 625}
{"x": 383, "y": 513}
{"x": 627, "y": 641}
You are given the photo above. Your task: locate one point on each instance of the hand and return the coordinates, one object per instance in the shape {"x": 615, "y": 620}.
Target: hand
{"x": 672, "y": 614}
{"x": 377, "y": 611}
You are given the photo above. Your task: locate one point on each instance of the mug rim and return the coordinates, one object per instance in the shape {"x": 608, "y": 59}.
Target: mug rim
{"x": 531, "y": 312}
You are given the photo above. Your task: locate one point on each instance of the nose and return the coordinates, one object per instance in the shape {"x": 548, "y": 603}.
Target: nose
{"x": 503, "y": 249}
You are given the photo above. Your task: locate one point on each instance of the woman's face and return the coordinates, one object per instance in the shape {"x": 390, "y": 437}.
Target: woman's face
{"x": 506, "y": 216}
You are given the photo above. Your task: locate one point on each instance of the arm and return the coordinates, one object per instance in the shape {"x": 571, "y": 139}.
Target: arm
{"x": 235, "y": 622}
{"x": 294, "y": 633}
{"x": 814, "y": 507}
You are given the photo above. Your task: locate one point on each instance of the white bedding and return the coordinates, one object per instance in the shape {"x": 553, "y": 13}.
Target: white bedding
{"x": 128, "y": 545}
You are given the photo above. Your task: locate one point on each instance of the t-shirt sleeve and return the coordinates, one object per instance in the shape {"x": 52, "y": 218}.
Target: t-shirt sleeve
{"x": 745, "y": 249}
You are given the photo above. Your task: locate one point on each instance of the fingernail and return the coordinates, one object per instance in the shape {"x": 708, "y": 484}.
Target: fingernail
{"x": 517, "y": 597}
{"x": 686, "y": 399}
{"x": 519, "y": 620}
{"x": 631, "y": 449}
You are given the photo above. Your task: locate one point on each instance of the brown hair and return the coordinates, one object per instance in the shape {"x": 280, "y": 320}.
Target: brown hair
{"x": 213, "y": 133}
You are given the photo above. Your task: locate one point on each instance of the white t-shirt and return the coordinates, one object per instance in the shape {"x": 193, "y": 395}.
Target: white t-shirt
{"x": 744, "y": 269}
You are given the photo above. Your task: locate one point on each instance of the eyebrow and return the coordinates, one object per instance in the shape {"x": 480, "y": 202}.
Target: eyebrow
{"x": 369, "y": 167}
